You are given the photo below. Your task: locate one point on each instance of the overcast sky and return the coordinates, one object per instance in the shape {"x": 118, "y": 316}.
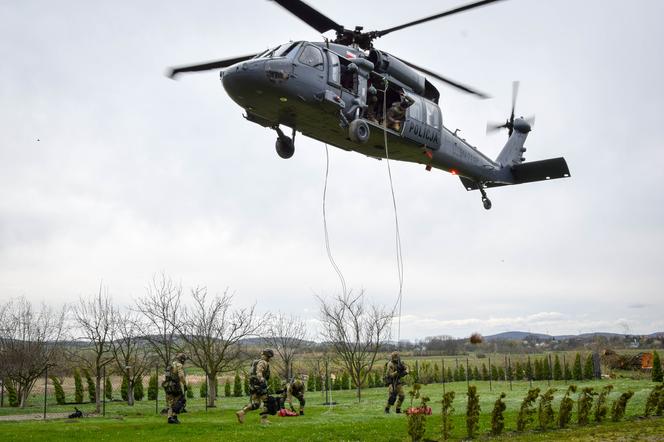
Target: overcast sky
{"x": 111, "y": 172}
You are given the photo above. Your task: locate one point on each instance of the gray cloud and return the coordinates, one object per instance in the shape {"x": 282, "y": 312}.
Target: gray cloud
{"x": 135, "y": 174}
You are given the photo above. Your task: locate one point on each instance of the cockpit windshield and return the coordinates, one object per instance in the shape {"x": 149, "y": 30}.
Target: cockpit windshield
{"x": 279, "y": 51}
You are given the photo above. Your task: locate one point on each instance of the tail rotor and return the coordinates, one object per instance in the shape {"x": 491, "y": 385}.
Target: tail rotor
{"x": 509, "y": 123}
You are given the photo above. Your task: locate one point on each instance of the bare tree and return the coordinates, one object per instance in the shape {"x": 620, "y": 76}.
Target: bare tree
{"x": 356, "y": 332}
{"x": 94, "y": 319}
{"x": 213, "y": 333}
{"x": 130, "y": 351}
{"x": 161, "y": 309}
{"x": 286, "y": 334}
{"x": 29, "y": 343}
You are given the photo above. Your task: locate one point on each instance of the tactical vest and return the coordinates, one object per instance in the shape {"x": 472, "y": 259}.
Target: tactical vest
{"x": 400, "y": 369}
{"x": 171, "y": 382}
{"x": 253, "y": 377}
{"x": 297, "y": 388}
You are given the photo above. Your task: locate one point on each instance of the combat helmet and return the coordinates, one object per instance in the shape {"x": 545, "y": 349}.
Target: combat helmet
{"x": 268, "y": 352}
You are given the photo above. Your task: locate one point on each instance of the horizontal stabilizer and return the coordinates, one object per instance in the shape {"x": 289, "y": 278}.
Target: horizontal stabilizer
{"x": 528, "y": 172}
{"x": 540, "y": 170}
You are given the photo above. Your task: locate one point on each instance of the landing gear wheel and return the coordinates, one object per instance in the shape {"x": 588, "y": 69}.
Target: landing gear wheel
{"x": 358, "y": 131}
{"x": 485, "y": 199}
{"x": 285, "y": 147}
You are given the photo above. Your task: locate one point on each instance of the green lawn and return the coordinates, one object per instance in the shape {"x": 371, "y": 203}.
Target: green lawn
{"x": 348, "y": 420}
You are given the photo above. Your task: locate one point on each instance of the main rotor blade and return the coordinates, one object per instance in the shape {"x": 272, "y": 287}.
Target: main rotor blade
{"x": 310, "y": 16}
{"x": 446, "y": 80}
{"x": 172, "y": 72}
{"x": 433, "y": 17}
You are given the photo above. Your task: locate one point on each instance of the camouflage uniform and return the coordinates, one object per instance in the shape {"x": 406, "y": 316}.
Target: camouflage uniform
{"x": 373, "y": 110}
{"x": 395, "y": 370}
{"x": 260, "y": 374}
{"x": 172, "y": 397}
{"x": 397, "y": 112}
{"x": 294, "y": 388}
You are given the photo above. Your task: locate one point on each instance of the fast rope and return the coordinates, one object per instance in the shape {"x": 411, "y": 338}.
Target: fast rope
{"x": 327, "y": 237}
{"x": 396, "y": 219}
{"x": 399, "y": 255}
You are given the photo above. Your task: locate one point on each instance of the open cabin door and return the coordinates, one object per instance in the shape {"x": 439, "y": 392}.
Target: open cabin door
{"x": 423, "y": 122}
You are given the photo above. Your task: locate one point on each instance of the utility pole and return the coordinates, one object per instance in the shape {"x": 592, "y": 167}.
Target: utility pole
{"x": 156, "y": 396}
{"x": 45, "y": 385}
{"x": 103, "y": 398}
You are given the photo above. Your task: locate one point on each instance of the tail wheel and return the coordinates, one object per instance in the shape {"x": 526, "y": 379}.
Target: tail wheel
{"x": 358, "y": 131}
{"x": 285, "y": 147}
{"x": 487, "y": 203}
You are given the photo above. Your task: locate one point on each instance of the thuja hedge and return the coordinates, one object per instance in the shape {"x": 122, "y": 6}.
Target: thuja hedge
{"x": 586, "y": 401}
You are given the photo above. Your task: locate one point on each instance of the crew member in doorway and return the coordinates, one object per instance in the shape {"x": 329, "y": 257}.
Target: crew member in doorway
{"x": 397, "y": 112}
{"x": 373, "y": 111}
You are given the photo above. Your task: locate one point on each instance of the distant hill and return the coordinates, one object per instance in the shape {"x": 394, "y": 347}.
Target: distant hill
{"x": 520, "y": 336}
{"x": 516, "y": 336}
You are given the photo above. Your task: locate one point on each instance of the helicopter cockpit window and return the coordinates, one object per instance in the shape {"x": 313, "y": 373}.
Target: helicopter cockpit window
{"x": 433, "y": 115}
{"x": 262, "y": 54}
{"x": 284, "y": 50}
{"x": 334, "y": 74}
{"x": 279, "y": 51}
{"x": 312, "y": 56}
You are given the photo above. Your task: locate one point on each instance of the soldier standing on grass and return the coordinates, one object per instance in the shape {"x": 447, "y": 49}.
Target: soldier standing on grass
{"x": 395, "y": 370}
{"x": 260, "y": 374}
{"x": 175, "y": 385}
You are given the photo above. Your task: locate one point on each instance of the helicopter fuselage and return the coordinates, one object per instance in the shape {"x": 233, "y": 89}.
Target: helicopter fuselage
{"x": 349, "y": 94}
{"x": 302, "y": 85}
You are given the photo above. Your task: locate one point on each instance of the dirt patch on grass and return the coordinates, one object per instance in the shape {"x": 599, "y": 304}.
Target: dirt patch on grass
{"x": 33, "y": 417}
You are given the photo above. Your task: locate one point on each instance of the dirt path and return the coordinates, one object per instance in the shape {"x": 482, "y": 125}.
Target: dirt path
{"x": 33, "y": 417}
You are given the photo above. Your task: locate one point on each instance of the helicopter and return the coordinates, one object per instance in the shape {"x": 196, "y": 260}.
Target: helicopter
{"x": 347, "y": 93}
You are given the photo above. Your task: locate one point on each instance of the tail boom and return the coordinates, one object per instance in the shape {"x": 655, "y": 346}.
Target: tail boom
{"x": 529, "y": 172}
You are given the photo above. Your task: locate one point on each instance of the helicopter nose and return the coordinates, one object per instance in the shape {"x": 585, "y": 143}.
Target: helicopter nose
{"x": 241, "y": 79}
{"x": 256, "y": 82}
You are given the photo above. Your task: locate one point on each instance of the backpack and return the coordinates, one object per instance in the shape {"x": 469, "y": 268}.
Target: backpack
{"x": 171, "y": 382}
{"x": 272, "y": 405}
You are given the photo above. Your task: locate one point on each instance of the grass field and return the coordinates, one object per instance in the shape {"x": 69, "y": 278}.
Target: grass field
{"x": 346, "y": 421}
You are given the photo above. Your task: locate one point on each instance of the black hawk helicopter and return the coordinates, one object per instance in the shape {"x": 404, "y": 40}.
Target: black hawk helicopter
{"x": 347, "y": 93}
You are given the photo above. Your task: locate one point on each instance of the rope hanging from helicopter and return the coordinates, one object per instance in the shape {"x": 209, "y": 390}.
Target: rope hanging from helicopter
{"x": 327, "y": 236}
{"x": 399, "y": 255}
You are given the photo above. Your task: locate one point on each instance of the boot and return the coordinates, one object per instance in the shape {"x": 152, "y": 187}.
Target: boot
{"x": 387, "y": 410}
{"x": 264, "y": 420}
{"x": 173, "y": 420}
{"x": 398, "y": 410}
{"x": 301, "y": 412}
{"x": 240, "y": 416}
